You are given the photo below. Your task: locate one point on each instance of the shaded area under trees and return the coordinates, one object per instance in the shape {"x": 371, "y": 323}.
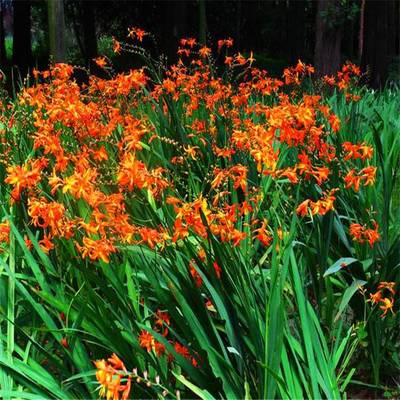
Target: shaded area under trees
{"x": 324, "y": 32}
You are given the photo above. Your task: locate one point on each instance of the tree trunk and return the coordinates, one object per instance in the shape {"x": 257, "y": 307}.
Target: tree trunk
{"x": 56, "y": 30}
{"x": 89, "y": 31}
{"x": 22, "y": 52}
{"x": 327, "y": 39}
{"x": 361, "y": 32}
{"x": 375, "y": 55}
{"x": 3, "y": 55}
{"x": 202, "y": 22}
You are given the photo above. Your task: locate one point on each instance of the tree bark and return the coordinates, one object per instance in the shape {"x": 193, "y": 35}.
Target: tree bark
{"x": 3, "y": 55}
{"x": 202, "y": 22}
{"x": 22, "y": 52}
{"x": 361, "y": 32}
{"x": 327, "y": 39}
{"x": 56, "y": 30}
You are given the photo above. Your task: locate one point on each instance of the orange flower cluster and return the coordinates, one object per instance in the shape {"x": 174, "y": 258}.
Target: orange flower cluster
{"x": 348, "y": 74}
{"x": 354, "y": 151}
{"x": 137, "y": 33}
{"x": 295, "y": 75}
{"x": 387, "y": 303}
{"x": 93, "y": 150}
{"x": 361, "y": 234}
{"x": 24, "y": 177}
{"x": 75, "y": 131}
{"x": 149, "y": 343}
{"x": 193, "y": 215}
{"x": 114, "y": 379}
{"x": 320, "y": 207}
{"x": 237, "y": 173}
{"x": 366, "y": 177}
{"x": 5, "y": 232}
{"x": 134, "y": 174}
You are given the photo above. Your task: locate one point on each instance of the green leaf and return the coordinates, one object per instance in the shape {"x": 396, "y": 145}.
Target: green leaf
{"x": 203, "y": 394}
{"x": 339, "y": 264}
{"x": 348, "y": 294}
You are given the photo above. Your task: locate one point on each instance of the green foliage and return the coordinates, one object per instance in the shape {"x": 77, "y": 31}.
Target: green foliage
{"x": 340, "y": 12}
{"x": 285, "y": 322}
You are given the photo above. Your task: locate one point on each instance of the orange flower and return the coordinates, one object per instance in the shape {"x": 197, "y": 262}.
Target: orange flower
{"x": 386, "y": 306}
{"x": 137, "y": 32}
{"x": 352, "y": 180}
{"x": 357, "y": 232}
{"x": 361, "y": 234}
{"x": 366, "y": 175}
{"x": 99, "y": 249}
{"x": 387, "y": 285}
{"x": 110, "y": 374}
{"x": 162, "y": 318}
{"x": 320, "y": 174}
{"x": 355, "y": 151}
{"x": 100, "y": 61}
{"x": 217, "y": 269}
{"x": 376, "y": 297}
{"x": 289, "y": 173}
{"x": 372, "y": 235}
{"x": 225, "y": 42}
{"x": 263, "y": 235}
{"x": 191, "y": 151}
{"x": 302, "y": 209}
{"x": 5, "y": 232}
{"x": 46, "y": 244}
{"x": 146, "y": 340}
{"x": 117, "y": 46}
{"x": 182, "y": 350}
{"x": 228, "y": 60}
{"x": 191, "y": 42}
{"x": 195, "y": 275}
{"x": 25, "y": 176}
{"x": 205, "y": 51}
{"x": 159, "y": 348}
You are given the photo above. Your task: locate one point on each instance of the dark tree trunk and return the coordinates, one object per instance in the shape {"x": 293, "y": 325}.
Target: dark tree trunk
{"x": 375, "y": 55}
{"x": 89, "y": 31}
{"x": 202, "y": 22}
{"x": 56, "y": 30}
{"x": 76, "y": 17}
{"x": 361, "y": 31}
{"x": 3, "y": 56}
{"x": 22, "y": 52}
{"x": 327, "y": 39}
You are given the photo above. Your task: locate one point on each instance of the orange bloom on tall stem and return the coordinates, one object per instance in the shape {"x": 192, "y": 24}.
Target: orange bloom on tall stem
{"x": 146, "y": 340}
{"x": 110, "y": 374}
{"x": 361, "y": 234}
{"x": 387, "y": 304}
{"x": 375, "y": 298}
